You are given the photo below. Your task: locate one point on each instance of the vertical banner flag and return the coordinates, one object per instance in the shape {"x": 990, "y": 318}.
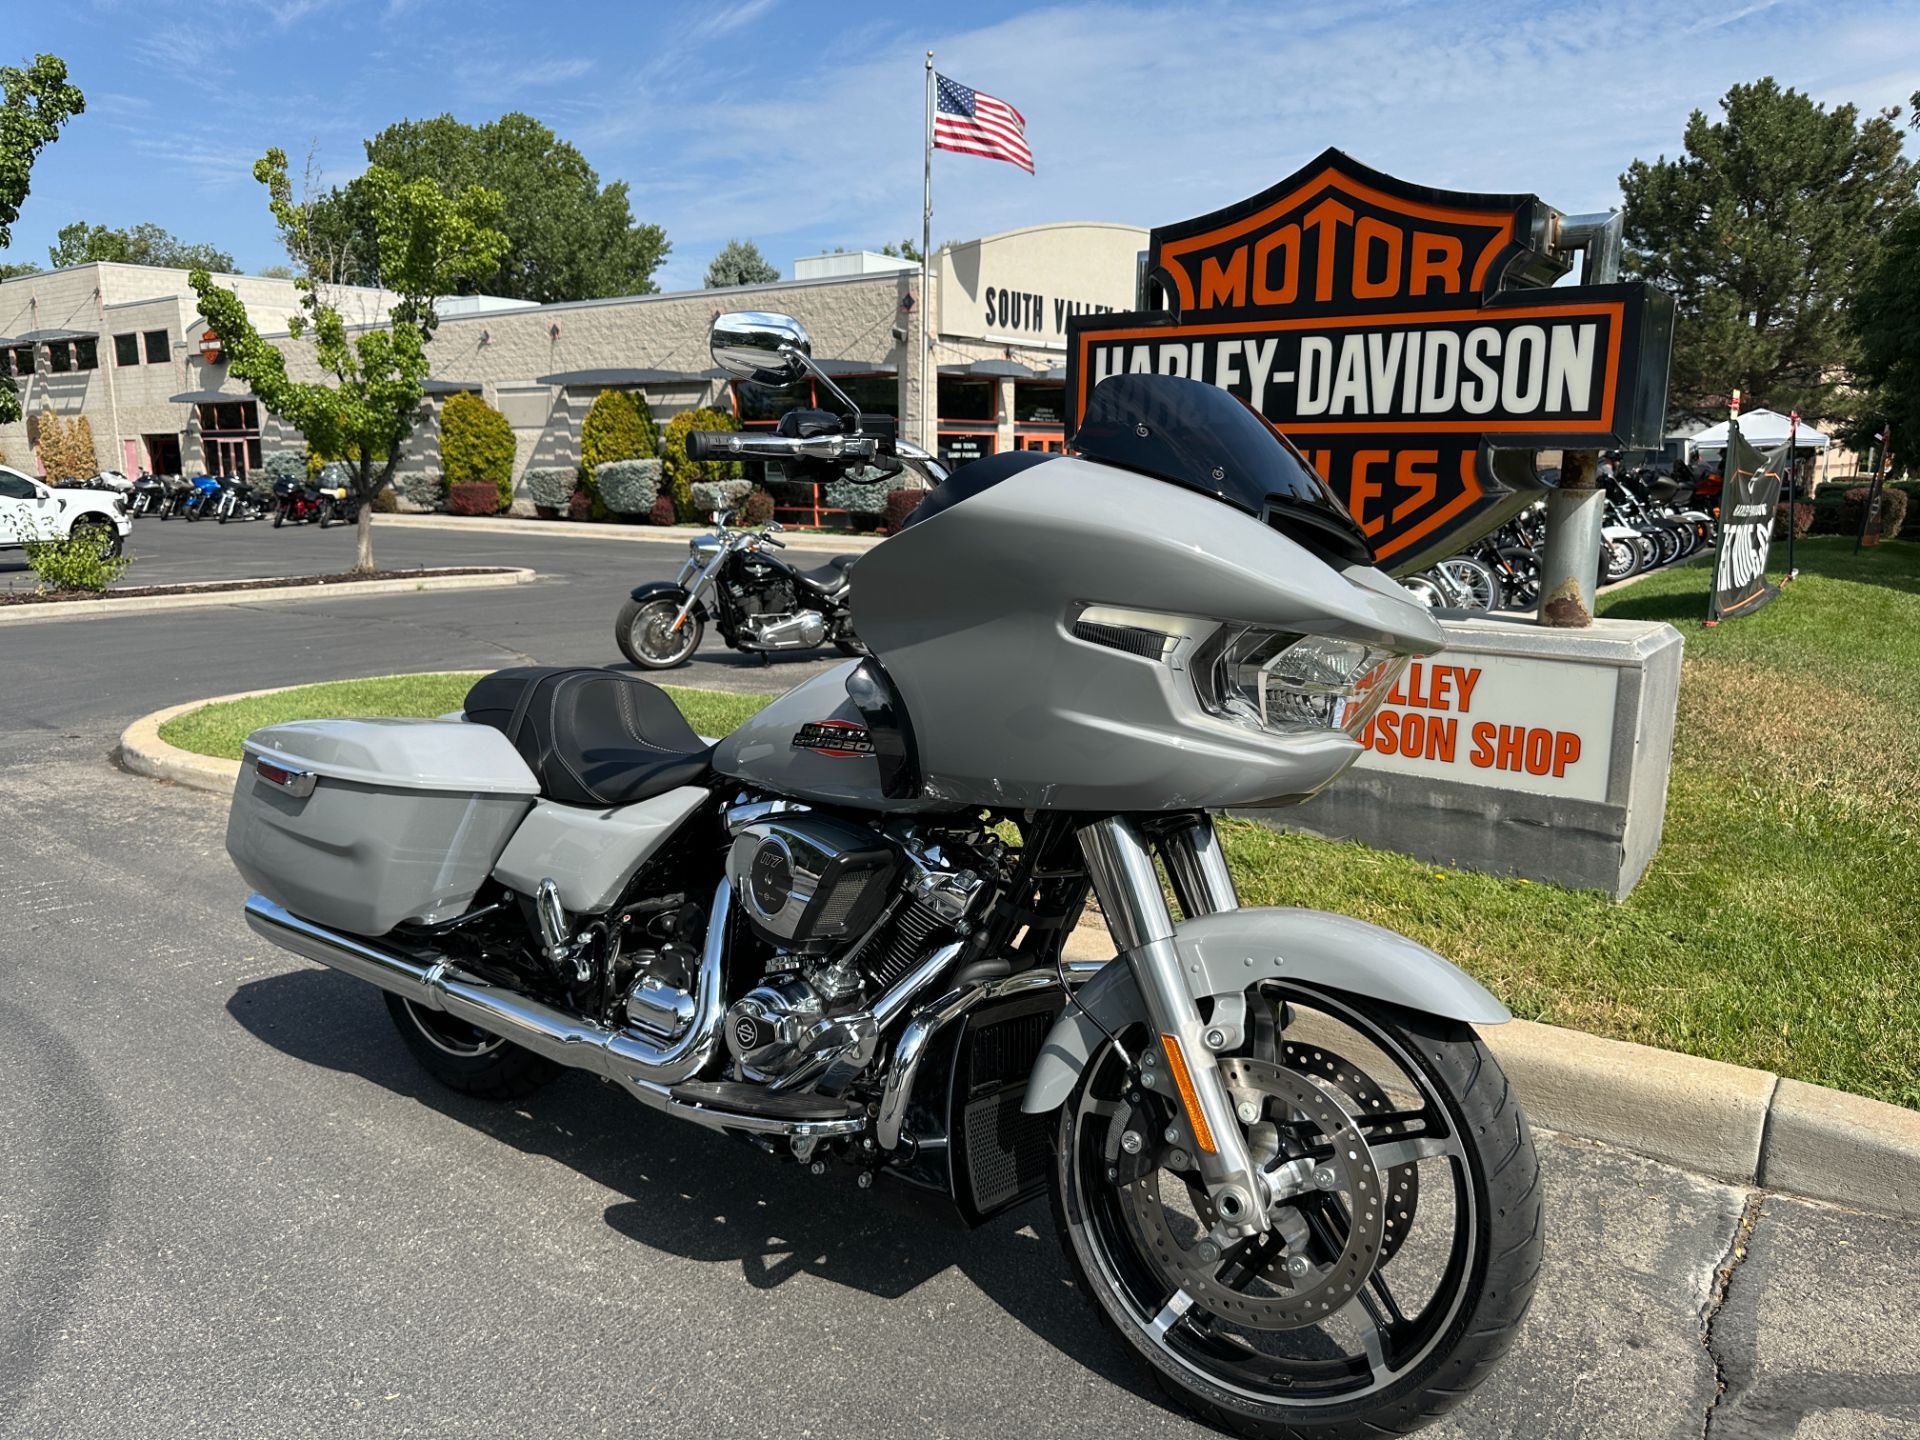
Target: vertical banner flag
{"x": 1747, "y": 503}
{"x": 974, "y": 123}
{"x": 1870, "y": 512}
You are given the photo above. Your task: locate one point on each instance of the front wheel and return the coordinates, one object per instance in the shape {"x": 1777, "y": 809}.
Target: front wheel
{"x": 1474, "y": 581}
{"x": 105, "y": 537}
{"x": 645, "y": 634}
{"x": 1405, "y": 1230}
{"x": 1618, "y": 560}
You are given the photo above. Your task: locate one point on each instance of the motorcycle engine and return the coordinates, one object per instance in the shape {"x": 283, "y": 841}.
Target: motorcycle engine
{"x": 850, "y": 913}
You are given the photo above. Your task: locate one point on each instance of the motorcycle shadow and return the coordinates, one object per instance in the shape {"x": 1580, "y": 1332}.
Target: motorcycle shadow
{"x": 701, "y": 1196}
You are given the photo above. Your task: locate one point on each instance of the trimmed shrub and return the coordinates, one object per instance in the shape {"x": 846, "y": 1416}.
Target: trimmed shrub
{"x": 683, "y": 474}
{"x": 712, "y": 495}
{"x": 580, "y": 506}
{"x": 550, "y": 489}
{"x": 756, "y": 509}
{"x": 386, "y": 502}
{"x": 476, "y": 446}
{"x": 619, "y": 426}
{"x": 74, "y": 563}
{"x": 1893, "y": 510}
{"x": 1802, "y": 519}
{"x": 420, "y": 491}
{"x": 475, "y": 497}
{"x": 662, "y": 512}
{"x": 628, "y": 487}
{"x": 66, "y": 447}
{"x": 853, "y": 497}
{"x": 283, "y": 465}
{"x": 900, "y": 504}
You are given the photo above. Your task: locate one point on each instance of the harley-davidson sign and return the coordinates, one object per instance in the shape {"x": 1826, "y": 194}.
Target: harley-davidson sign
{"x": 1406, "y": 339}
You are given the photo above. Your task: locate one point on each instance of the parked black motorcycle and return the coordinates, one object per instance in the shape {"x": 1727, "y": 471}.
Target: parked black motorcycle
{"x": 760, "y": 602}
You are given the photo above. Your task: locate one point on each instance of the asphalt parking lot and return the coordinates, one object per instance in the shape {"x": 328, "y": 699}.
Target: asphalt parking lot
{"x": 231, "y": 1206}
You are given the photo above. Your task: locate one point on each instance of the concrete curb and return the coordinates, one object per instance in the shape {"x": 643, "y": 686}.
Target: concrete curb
{"x": 1746, "y": 1127}
{"x": 143, "y": 752}
{"x": 146, "y": 604}
{"x": 824, "y": 541}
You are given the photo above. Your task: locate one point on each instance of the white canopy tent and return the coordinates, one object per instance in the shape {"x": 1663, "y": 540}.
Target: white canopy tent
{"x": 1762, "y": 429}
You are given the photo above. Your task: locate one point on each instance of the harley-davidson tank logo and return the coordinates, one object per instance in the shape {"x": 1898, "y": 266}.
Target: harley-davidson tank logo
{"x": 1403, "y": 337}
{"x": 837, "y": 739}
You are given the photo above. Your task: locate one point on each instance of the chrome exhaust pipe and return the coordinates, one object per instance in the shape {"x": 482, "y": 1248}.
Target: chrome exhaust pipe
{"x": 646, "y": 1069}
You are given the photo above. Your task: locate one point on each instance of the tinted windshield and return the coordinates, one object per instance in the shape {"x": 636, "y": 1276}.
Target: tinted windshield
{"x": 1206, "y": 439}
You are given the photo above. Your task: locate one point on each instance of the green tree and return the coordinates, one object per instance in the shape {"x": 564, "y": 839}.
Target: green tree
{"x": 275, "y": 272}
{"x": 568, "y": 237}
{"x": 740, "y": 263}
{"x": 1761, "y": 230}
{"x": 1886, "y": 321}
{"x": 37, "y": 101}
{"x": 428, "y": 245}
{"x": 81, "y": 243}
{"x": 476, "y": 445}
{"x": 13, "y": 270}
{"x": 905, "y": 250}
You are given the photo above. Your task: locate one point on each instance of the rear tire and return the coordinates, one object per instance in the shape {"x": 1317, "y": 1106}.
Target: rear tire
{"x": 466, "y": 1058}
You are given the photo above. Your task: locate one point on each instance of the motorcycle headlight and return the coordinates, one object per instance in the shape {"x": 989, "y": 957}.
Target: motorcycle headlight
{"x": 1275, "y": 681}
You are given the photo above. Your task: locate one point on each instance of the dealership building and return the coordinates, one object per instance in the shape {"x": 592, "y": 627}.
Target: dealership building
{"x": 973, "y": 367}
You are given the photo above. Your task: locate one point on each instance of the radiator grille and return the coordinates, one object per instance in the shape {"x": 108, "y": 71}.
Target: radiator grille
{"x": 1005, "y": 1053}
{"x": 1006, "y": 1149}
{"x": 1148, "y": 644}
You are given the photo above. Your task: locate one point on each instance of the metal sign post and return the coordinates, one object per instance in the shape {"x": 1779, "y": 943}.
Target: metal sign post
{"x": 1576, "y": 509}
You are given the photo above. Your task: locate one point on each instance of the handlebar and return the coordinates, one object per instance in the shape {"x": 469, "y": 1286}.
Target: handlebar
{"x": 737, "y": 445}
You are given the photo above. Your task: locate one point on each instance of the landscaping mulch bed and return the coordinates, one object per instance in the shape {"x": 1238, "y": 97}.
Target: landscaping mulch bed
{"x": 143, "y": 592}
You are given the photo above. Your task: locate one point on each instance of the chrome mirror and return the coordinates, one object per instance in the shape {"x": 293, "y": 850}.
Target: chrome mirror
{"x": 755, "y": 345}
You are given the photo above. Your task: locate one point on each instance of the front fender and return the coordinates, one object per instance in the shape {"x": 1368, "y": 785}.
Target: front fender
{"x": 1224, "y": 953}
{"x": 677, "y": 593}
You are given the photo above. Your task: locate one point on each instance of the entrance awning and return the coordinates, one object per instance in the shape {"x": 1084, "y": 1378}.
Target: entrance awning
{"x": 451, "y": 387}
{"x": 610, "y": 378}
{"x": 54, "y": 337}
{"x": 996, "y": 369}
{"x": 211, "y": 397}
{"x": 857, "y": 367}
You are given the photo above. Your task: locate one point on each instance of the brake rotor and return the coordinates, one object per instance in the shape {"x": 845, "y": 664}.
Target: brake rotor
{"x": 1294, "y": 1301}
{"x": 1402, "y": 1182}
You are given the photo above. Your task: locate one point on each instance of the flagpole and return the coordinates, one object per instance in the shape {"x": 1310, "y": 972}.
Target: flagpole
{"x": 927, "y": 388}
{"x": 1793, "y": 488}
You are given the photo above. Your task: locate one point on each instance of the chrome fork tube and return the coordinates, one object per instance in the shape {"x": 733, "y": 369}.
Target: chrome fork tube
{"x": 1198, "y": 868}
{"x": 1120, "y": 866}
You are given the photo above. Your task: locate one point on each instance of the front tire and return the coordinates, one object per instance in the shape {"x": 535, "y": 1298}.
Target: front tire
{"x": 102, "y": 535}
{"x": 1329, "y": 1351}
{"x": 644, "y": 633}
{"x": 465, "y": 1057}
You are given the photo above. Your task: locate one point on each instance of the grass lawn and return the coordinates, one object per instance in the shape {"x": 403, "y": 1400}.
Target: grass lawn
{"x": 1775, "y": 926}
{"x": 219, "y": 729}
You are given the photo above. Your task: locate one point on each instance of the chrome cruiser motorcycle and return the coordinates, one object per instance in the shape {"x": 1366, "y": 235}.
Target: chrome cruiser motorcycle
{"x": 759, "y": 601}
{"x": 1284, "y": 1168}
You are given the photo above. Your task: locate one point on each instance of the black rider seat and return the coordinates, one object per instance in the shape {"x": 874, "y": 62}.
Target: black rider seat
{"x": 591, "y": 737}
{"x": 830, "y": 576}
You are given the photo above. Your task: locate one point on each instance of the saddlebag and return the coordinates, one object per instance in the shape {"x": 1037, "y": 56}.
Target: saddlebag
{"x": 359, "y": 825}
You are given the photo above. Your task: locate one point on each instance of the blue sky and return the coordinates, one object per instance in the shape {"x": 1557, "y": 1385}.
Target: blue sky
{"x": 797, "y": 124}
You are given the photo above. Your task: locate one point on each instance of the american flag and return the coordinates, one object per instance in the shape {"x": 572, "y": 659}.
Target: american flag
{"x": 977, "y": 124}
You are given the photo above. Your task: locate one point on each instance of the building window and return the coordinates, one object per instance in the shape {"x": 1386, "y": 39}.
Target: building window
{"x": 957, "y": 447}
{"x": 59, "y": 357}
{"x": 22, "y": 360}
{"x": 126, "y": 349}
{"x": 230, "y": 437}
{"x": 967, "y": 398}
{"x": 1039, "y": 402}
{"x": 159, "y": 352}
{"x": 86, "y": 354}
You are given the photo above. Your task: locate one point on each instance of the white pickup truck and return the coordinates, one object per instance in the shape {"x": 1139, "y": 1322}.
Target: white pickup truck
{"x": 31, "y": 510}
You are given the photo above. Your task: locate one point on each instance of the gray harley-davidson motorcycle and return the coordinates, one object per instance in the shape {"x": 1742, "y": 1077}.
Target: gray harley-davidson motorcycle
{"x": 1288, "y": 1174}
